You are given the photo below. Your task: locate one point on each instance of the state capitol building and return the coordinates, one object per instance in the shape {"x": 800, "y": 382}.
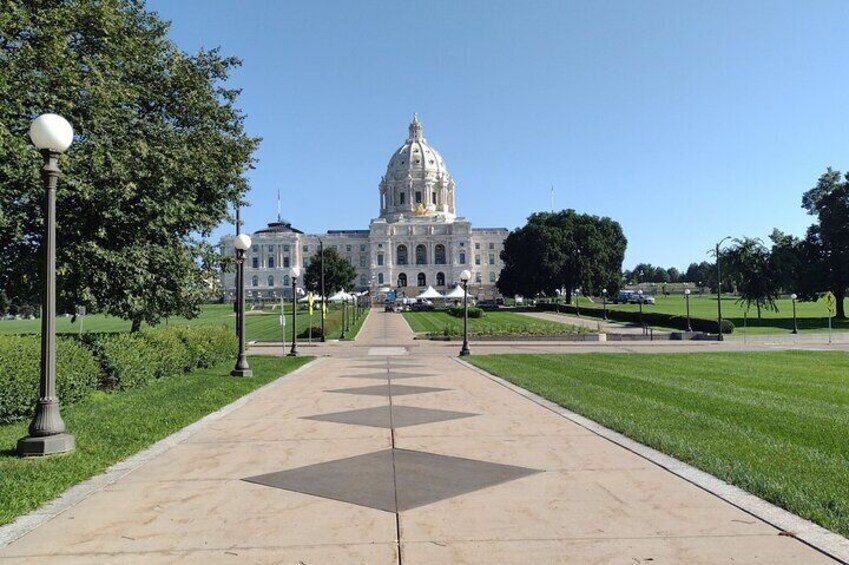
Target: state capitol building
{"x": 417, "y": 241}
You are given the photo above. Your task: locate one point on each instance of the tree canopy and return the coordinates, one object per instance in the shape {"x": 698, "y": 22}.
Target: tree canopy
{"x": 160, "y": 152}
{"x": 563, "y": 250}
{"x": 750, "y": 269}
{"x": 339, "y": 273}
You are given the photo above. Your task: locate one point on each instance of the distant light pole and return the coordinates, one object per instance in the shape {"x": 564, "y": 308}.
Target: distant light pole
{"x": 238, "y": 269}
{"x": 464, "y": 278}
{"x": 52, "y": 135}
{"x": 242, "y": 244}
{"x": 344, "y": 311}
{"x": 604, "y": 302}
{"x": 577, "y": 303}
{"x": 323, "y": 297}
{"x": 719, "y": 288}
{"x": 687, "y": 298}
{"x": 795, "y": 326}
{"x": 640, "y": 301}
{"x": 296, "y": 272}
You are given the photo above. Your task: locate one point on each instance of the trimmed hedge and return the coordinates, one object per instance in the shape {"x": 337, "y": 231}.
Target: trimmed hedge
{"x": 94, "y": 361}
{"x": 474, "y": 312}
{"x": 649, "y": 318}
{"x": 77, "y": 373}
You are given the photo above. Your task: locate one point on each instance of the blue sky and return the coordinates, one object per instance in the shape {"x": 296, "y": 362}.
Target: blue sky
{"x": 684, "y": 121}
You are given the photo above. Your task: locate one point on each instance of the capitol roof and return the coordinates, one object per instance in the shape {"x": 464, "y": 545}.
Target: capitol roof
{"x": 416, "y": 157}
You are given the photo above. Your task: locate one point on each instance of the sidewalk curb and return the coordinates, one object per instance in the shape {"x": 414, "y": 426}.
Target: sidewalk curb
{"x": 77, "y": 493}
{"x": 825, "y": 541}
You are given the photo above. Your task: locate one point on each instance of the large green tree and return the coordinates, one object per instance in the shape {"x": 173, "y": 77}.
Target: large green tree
{"x": 339, "y": 273}
{"x": 750, "y": 269}
{"x": 563, "y": 250}
{"x": 160, "y": 151}
{"x": 826, "y": 245}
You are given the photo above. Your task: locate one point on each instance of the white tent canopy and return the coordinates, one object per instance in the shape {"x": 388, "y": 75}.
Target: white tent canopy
{"x": 340, "y": 297}
{"x": 456, "y": 293}
{"x": 430, "y": 293}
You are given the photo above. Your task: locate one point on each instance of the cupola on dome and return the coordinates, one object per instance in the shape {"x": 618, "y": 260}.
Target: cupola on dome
{"x": 416, "y": 157}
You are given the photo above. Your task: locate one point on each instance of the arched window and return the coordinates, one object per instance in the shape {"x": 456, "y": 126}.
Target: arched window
{"x": 254, "y": 280}
{"x": 379, "y": 278}
{"x": 492, "y": 276}
{"x": 286, "y": 281}
{"x": 270, "y": 281}
{"x": 421, "y": 280}
{"x": 270, "y": 262}
{"x": 363, "y": 281}
{"x": 439, "y": 254}
{"x": 440, "y": 279}
{"x": 402, "y": 280}
{"x": 402, "y": 255}
{"x": 421, "y": 255}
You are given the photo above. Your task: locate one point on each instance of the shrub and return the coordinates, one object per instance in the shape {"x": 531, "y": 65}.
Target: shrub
{"x": 128, "y": 360}
{"x": 474, "y": 312}
{"x": 208, "y": 345}
{"x": 77, "y": 374}
{"x": 649, "y": 318}
{"x": 314, "y": 331}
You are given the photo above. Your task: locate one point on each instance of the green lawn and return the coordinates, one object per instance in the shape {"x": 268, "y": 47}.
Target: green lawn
{"x": 772, "y": 423}
{"x": 493, "y": 323}
{"x": 261, "y": 325}
{"x": 109, "y": 427}
{"x": 811, "y": 316}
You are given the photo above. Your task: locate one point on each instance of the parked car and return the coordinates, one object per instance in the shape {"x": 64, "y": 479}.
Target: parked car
{"x": 641, "y": 299}
{"x": 488, "y": 304}
{"x": 421, "y": 304}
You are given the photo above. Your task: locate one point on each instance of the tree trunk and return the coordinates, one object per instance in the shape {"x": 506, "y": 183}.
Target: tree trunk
{"x": 840, "y": 294}
{"x": 136, "y": 326}
{"x": 759, "y": 314}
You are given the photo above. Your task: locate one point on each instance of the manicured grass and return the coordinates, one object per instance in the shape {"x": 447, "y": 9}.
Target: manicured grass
{"x": 493, "y": 323}
{"x": 109, "y": 427}
{"x": 772, "y": 423}
{"x": 811, "y": 316}
{"x": 261, "y": 325}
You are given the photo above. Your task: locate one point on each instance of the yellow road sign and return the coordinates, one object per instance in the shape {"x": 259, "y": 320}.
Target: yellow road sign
{"x": 829, "y": 301}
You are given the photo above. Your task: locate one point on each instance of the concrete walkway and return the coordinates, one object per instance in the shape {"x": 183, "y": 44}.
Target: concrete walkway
{"x": 385, "y": 455}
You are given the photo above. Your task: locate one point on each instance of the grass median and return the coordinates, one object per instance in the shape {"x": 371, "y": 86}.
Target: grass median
{"x": 772, "y": 423}
{"x": 109, "y": 427}
{"x": 493, "y": 323}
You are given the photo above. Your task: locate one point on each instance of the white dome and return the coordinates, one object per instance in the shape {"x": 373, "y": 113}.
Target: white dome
{"x": 416, "y": 157}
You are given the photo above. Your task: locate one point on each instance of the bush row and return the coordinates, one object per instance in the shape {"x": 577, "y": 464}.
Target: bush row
{"x": 649, "y": 318}
{"x": 474, "y": 312}
{"x": 94, "y": 361}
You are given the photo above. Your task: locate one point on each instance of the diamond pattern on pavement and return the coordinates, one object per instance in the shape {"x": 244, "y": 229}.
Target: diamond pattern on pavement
{"x": 390, "y": 375}
{"x": 367, "y": 480}
{"x": 384, "y": 390}
{"x": 401, "y": 416}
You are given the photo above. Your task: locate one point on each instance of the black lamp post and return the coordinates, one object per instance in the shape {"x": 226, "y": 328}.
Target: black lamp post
{"x": 604, "y": 302}
{"x": 52, "y": 135}
{"x": 719, "y": 289}
{"x": 640, "y": 301}
{"x": 464, "y": 277}
{"x": 795, "y": 325}
{"x": 344, "y": 310}
{"x": 687, "y": 298}
{"x": 242, "y": 244}
{"x": 323, "y": 296}
{"x": 577, "y": 303}
{"x": 296, "y": 272}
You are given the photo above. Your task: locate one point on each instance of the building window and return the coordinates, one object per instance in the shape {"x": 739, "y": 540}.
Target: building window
{"x": 379, "y": 278}
{"x": 270, "y": 280}
{"x": 306, "y": 248}
{"x": 286, "y": 248}
{"x": 440, "y": 279}
{"x": 492, "y": 246}
{"x": 462, "y": 258}
{"x": 286, "y": 281}
{"x": 402, "y": 280}
{"x": 285, "y": 262}
{"x": 433, "y": 194}
{"x": 421, "y": 255}
{"x": 492, "y": 258}
{"x": 362, "y": 260}
{"x": 254, "y": 280}
{"x": 363, "y": 281}
{"x": 492, "y": 276}
{"x": 255, "y": 262}
{"x": 401, "y": 198}
{"x": 478, "y": 277}
{"x": 271, "y": 262}
{"x": 347, "y": 248}
{"x": 380, "y": 259}
{"x": 421, "y": 280}
{"x": 271, "y": 249}
{"x": 477, "y": 259}
{"x": 402, "y": 255}
{"x": 380, "y": 246}
{"x": 363, "y": 247}
{"x": 418, "y": 197}
{"x": 439, "y": 254}
{"x": 477, "y": 246}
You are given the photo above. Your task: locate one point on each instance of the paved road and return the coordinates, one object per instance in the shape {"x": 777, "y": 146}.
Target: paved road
{"x": 391, "y": 452}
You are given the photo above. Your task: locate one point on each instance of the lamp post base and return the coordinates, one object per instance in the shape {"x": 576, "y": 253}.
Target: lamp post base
{"x": 292, "y": 354}
{"x": 241, "y": 373}
{"x": 465, "y": 351}
{"x": 39, "y": 446}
